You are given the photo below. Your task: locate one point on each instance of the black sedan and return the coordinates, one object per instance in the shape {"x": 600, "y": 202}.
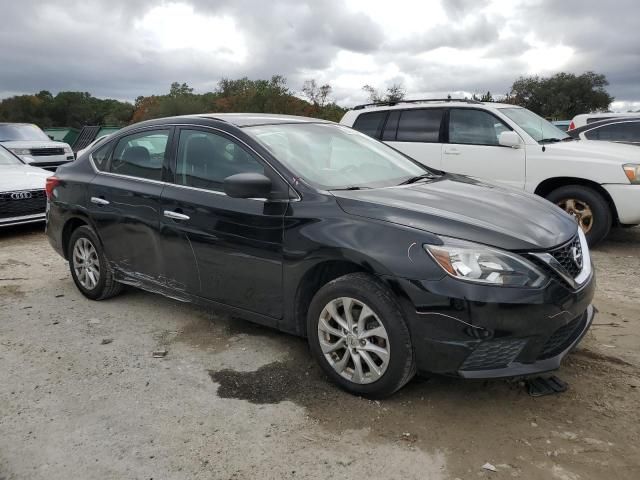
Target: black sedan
{"x": 315, "y": 229}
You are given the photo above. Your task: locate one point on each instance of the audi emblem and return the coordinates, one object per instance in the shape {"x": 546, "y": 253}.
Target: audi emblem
{"x": 21, "y": 195}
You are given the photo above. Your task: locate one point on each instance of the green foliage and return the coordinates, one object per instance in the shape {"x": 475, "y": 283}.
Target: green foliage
{"x": 66, "y": 109}
{"x": 564, "y": 95}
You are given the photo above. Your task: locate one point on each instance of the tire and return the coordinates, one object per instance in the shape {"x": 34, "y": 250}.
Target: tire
{"x": 357, "y": 291}
{"x": 84, "y": 241}
{"x": 602, "y": 218}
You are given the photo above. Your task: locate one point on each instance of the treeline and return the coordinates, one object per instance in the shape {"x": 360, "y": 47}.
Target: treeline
{"x": 76, "y": 109}
{"x": 66, "y": 109}
{"x": 560, "y": 96}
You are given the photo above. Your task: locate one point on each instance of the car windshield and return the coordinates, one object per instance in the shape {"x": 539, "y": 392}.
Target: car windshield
{"x": 7, "y": 158}
{"x": 333, "y": 157}
{"x": 540, "y": 129}
{"x": 21, "y": 132}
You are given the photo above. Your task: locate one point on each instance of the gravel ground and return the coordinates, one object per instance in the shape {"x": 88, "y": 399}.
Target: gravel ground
{"x": 82, "y": 397}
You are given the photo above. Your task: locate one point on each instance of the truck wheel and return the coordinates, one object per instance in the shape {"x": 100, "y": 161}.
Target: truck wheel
{"x": 589, "y": 208}
{"x": 358, "y": 335}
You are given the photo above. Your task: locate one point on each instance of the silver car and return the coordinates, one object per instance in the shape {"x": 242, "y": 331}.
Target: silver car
{"x": 33, "y": 146}
{"x": 22, "y": 191}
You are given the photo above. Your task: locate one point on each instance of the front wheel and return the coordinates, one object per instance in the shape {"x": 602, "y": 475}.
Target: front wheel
{"x": 358, "y": 335}
{"x": 588, "y": 207}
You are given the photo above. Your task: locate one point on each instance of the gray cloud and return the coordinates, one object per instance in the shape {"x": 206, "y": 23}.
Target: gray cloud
{"x": 93, "y": 45}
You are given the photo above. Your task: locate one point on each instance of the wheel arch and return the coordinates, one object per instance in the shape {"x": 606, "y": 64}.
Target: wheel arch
{"x": 71, "y": 224}
{"x": 547, "y": 186}
{"x": 313, "y": 280}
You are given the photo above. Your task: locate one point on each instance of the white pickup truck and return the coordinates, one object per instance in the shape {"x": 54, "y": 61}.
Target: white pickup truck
{"x": 596, "y": 182}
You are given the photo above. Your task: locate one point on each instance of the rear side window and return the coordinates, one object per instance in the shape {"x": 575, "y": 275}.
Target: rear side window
{"x": 205, "y": 159}
{"x": 616, "y": 132}
{"x": 420, "y": 125}
{"x": 101, "y": 157}
{"x": 141, "y": 155}
{"x": 474, "y": 127}
{"x": 370, "y": 123}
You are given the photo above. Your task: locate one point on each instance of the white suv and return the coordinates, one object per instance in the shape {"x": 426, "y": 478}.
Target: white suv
{"x": 596, "y": 182}
{"x": 33, "y": 146}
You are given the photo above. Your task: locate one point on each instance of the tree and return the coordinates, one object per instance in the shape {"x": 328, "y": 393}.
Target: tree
{"x": 393, "y": 94}
{"x": 485, "y": 97}
{"x": 318, "y": 95}
{"x": 563, "y": 95}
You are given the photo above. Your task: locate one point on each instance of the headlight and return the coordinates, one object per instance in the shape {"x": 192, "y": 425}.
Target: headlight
{"x": 480, "y": 264}
{"x": 21, "y": 151}
{"x": 632, "y": 171}
{"x": 68, "y": 150}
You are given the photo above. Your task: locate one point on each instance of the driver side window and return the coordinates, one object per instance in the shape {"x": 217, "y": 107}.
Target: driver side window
{"x": 205, "y": 159}
{"x": 474, "y": 127}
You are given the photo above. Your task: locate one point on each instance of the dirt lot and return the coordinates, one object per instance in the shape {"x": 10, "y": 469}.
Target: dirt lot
{"x": 81, "y": 396}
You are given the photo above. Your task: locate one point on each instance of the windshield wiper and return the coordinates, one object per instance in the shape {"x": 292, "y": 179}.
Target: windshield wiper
{"x": 424, "y": 176}
{"x": 550, "y": 140}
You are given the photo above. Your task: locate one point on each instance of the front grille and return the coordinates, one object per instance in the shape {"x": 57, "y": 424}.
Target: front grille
{"x": 494, "y": 354}
{"x": 565, "y": 256}
{"x": 43, "y": 152}
{"x": 562, "y": 338}
{"x": 12, "y": 205}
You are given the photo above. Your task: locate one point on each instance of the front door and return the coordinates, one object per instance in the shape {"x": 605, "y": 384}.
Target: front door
{"x": 224, "y": 249}
{"x": 124, "y": 203}
{"x": 473, "y": 148}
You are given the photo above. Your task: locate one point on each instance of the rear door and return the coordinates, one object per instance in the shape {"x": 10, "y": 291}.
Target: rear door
{"x": 417, "y": 133}
{"x": 473, "y": 149}
{"x": 224, "y": 249}
{"x": 124, "y": 201}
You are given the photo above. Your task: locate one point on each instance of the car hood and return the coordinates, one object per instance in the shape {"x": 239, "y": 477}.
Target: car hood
{"x": 33, "y": 144}
{"x": 22, "y": 177}
{"x": 605, "y": 152}
{"x": 464, "y": 208}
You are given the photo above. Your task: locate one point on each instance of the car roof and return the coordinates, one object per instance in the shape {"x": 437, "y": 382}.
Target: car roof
{"x": 409, "y": 104}
{"x": 251, "y": 119}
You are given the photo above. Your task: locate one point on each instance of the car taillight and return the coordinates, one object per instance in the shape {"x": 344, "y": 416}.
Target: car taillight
{"x": 52, "y": 182}
{"x": 572, "y": 125}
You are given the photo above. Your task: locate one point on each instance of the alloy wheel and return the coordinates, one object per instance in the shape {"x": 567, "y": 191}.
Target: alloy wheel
{"x": 579, "y": 210}
{"x": 86, "y": 263}
{"x": 353, "y": 340}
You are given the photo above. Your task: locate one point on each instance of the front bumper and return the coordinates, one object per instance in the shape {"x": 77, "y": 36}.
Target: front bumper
{"x": 478, "y": 331}
{"x": 48, "y": 162}
{"x": 627, "y": 201}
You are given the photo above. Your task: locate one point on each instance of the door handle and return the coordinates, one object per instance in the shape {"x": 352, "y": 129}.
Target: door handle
{"x": 99, "y": 201}
{"x": 451, "y": 151}
{"x": 176, "y": 215}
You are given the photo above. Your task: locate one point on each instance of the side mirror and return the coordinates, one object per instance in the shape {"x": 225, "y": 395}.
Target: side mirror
{"x": 510, "y": 139}
{"x": 247, "y": 185}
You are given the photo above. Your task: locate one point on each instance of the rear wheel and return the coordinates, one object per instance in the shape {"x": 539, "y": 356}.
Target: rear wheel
{"x": 89, "y": 268}
{"x": 358, "y": 335}
{"x": 588, "y": 207}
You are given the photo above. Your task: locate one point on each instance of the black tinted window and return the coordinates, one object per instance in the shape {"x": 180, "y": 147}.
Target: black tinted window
{"x": 101, "y": 157}
{"x": 616, "y": 132}
{"x": 391, "y": 127}
{"x": 420, "y": 125}
{"x": 205, "y": 159}
{"x": 474, "y": 127}
{"x": 370, "y": 123}
{"x": 141, "y": 155}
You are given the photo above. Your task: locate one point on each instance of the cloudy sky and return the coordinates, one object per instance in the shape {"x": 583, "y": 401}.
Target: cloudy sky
{"x": 122, "y": 49}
